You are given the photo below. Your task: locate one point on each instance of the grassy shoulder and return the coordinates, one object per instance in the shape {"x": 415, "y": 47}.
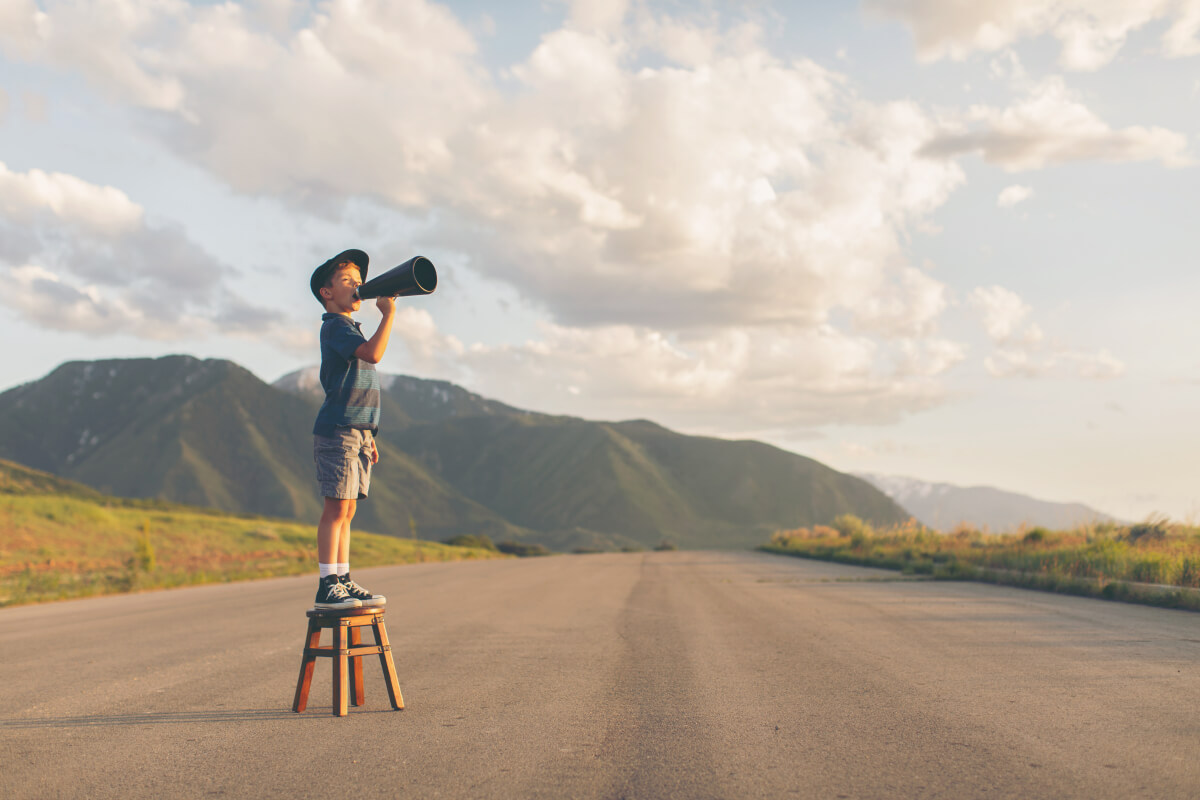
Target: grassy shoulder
{"x": 1155, "y": 562}
{"x": 55, "y": 546}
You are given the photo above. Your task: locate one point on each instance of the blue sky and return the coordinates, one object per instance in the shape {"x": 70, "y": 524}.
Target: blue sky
{"x": 908, "y": 237}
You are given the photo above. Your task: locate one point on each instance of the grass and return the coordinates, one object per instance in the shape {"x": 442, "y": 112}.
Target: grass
{"x": 1155, "y": 562}
{"x": 56, "y": 546}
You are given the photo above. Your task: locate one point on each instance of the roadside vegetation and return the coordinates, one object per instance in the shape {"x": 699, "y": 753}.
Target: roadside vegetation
{"x": 1156, "y": 562}
{"x": 55, "y": 546}
{"x": 512, "y": 548}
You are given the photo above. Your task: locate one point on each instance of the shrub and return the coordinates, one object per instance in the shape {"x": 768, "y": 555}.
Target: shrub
{"x": 1153, "y": 530}
{"x": 665, "y": 544}
{"x": 1035, "y": 536}
{"x": 480, "y": 541}
{"x": 522, "y": 550}
{"x": 848, "y": 525}
{"x": 143, "y": 559}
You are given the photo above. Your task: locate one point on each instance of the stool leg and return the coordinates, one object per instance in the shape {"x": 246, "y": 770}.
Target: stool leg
{"x": 309, "y": 659}
{"x": 389, "y": 668}
{"x": 339, "y": 669}
{"x": 356, "y": 680}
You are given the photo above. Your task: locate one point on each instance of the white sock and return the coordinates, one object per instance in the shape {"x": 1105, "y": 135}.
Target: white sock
{"x": 343, "y": 569}
{"x": 326, "y": 569}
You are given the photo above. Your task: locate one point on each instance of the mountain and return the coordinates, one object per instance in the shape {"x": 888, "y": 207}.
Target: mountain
{"x": 943, "y": 505}
{"x": 210, "y": 433}
{"x": 636, "y": 480}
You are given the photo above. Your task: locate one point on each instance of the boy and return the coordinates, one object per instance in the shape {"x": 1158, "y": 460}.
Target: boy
{"x": 344, "y": 433}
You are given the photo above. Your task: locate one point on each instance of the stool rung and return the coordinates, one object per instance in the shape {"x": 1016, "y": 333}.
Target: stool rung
{"x": 364, "y": 650}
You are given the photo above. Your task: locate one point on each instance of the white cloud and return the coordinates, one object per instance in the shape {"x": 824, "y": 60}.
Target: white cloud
{"x": 1090, "y": 33}
{"x": 756, "y": 381}
{"x": 1025, "y": 353}
{"x": 82, "y": 257}
{"x": 1027, "y": 362}
{"x": 1002, "y": 311}
{"x": 101, "y": 210}
{"x": 1011, "y": 195}
{"x": 722, "y": 233}
{"x": 603, "y": 15}
{"x": 1051, "y": 126}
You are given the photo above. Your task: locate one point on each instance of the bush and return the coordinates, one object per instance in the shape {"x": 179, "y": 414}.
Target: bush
{"x": 850, "y": 526}
{"x": 665, "y": 544}
{"x": 1035, "y": 536}
{"x": 480, "y": 541}
{"x": 522, "y": 550}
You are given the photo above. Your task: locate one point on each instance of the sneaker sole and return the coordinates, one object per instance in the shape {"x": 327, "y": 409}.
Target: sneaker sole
{"x": 340, "y": 605}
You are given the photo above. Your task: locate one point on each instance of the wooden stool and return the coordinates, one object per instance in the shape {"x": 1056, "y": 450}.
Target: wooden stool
{"x": 347, "y": 625}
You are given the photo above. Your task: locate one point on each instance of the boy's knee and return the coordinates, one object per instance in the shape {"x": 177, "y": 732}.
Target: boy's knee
{"x": 337, "y": 507}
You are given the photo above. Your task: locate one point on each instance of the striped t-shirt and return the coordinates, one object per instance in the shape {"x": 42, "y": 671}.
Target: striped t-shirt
{"x": 351, "y": 384}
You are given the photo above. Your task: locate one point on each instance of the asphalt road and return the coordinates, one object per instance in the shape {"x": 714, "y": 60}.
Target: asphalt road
{"x": 658, "y": 675}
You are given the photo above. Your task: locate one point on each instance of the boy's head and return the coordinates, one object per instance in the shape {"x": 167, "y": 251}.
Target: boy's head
{"x": 334, "y": 282}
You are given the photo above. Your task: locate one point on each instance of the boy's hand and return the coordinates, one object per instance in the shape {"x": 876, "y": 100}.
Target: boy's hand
{"x": 374, "y": 452}
{"x": 386, "y": 305}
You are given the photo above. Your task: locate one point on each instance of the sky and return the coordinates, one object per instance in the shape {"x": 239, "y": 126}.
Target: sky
{"x": 943, "y": 240}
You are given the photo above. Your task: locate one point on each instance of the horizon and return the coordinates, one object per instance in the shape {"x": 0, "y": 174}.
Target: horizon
{"x": 949, "y": 247}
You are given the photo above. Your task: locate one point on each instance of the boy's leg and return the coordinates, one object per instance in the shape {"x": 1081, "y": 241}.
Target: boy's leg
{"x": 330, "y": 592}
{"x": 365, "y": 596}
{"x": 335, "y": 518}
{"x": 343, "y": 539}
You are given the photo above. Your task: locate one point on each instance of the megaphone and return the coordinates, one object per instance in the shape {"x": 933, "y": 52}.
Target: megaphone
{"x": 415, "y": 276}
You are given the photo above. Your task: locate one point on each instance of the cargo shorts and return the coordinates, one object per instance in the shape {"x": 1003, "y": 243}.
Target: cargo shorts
{"x": 344, "y": 463}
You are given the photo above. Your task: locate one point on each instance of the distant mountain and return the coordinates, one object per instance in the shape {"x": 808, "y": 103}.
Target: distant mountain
{"x": 210, "y": 433}
{"x": 943, "y": 505}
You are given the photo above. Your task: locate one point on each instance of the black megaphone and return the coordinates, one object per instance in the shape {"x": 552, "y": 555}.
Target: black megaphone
{"x": 415, "y": 276}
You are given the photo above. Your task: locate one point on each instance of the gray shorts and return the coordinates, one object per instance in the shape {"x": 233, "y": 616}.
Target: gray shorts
{"x": 344, "y": 463}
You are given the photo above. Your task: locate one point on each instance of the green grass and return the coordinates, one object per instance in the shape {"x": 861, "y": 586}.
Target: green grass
{"x": 1155, "y": 562}
{"x": 56, "y": 546}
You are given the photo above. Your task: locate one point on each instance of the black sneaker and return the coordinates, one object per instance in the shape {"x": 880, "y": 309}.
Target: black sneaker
{"x": 331, "y": 594}
{"x": 362, "y": 595}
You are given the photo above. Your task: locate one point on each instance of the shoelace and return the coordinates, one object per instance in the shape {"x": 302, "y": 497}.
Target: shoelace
{"x": 354, "y": 590}
{"x": 338, "y": 592}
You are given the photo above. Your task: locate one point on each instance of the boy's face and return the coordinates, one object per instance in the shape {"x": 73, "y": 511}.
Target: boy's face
{"x": 339, "y": 294}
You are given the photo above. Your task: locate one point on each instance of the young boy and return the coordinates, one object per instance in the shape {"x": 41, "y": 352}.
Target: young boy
{"x": 344, "y": 433}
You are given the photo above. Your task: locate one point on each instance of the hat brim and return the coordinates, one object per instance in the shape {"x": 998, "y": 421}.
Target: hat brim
{"x": 321, "y": 274}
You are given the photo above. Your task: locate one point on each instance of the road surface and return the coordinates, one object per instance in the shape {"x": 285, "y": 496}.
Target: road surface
{"x": 655, "y": 675}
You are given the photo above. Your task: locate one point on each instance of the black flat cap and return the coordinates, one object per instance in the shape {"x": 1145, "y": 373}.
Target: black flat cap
{"x": 321, "y": 274}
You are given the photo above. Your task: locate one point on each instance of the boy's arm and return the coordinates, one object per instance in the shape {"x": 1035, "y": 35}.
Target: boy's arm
{"x": 372, "y": 349}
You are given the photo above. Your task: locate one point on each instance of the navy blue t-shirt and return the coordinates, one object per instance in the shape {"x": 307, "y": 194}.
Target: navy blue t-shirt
{"x": 351, "y": 384}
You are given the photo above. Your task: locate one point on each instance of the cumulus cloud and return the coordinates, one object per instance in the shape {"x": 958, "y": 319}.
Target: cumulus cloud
{"x": 101, "y": 210}
{"x": 1024, "y": 352}
{"x": 1001, "y": 311}
{"x": 84, "y": 258}
{"x": 1050, "y": 126}
{"x": 756, "y": 381}
{"x": 702, "y": 222}
{"x": 1089, "y": 33}
{"x": 1011, "y": 195}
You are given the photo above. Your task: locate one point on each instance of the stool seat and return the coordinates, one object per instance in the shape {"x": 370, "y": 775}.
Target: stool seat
{"x": 343, "y": 612}
{"x": 346, "y": 652}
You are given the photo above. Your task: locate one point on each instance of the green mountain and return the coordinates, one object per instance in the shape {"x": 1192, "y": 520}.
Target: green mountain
{"x": 636, "y": 481}
{"x": 209, "y": 433}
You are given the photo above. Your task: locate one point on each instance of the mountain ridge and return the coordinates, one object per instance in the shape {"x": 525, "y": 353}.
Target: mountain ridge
{"x": 944, "y": 505}
{"x": 210, "y": 433}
